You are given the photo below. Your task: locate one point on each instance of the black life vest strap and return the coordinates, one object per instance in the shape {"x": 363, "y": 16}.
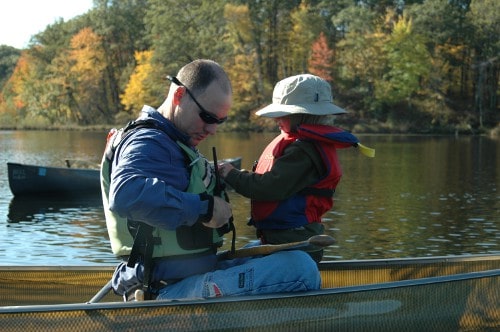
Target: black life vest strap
{"x": 142, "y": 249}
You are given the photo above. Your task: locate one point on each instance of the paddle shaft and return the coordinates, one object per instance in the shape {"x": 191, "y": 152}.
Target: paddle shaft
{"x": 312, "y": 243}
{"x": 101, "y": 294}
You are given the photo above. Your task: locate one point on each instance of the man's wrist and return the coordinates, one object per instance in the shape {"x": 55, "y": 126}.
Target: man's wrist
{"x": 209, "y": 202}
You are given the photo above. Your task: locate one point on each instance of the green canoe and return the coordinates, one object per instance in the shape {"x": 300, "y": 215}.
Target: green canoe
{"x": 451, "y": 293}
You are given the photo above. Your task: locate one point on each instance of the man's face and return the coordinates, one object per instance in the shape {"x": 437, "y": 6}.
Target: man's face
{"x": 187, "y": 119}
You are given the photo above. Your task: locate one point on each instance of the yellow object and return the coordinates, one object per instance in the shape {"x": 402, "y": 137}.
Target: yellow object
{"x": 369, "y": 152}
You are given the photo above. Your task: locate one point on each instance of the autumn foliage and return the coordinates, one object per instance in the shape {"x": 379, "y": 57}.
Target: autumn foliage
{"x": 321, "y": 60}
{"x": 420, "y": 66}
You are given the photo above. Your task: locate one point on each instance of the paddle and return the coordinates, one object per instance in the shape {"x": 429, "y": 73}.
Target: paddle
{"x": 313, "y": 242}
{"x": 100, "y": 294}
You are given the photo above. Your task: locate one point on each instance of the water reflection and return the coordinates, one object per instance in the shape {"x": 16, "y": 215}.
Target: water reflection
{"x": 38, "y": 208}
{"x": 420, "y": 196}
{"x": 37, "y": 226}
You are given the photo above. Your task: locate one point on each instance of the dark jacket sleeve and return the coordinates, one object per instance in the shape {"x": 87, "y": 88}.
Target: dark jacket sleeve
{"x": 299, "y": 166}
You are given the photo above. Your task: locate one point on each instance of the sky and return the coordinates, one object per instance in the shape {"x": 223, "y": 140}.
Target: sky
{"x": 21, "y": 19}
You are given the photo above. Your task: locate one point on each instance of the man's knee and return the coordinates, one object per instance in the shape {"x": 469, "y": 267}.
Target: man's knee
{"x": 300, "y": 264}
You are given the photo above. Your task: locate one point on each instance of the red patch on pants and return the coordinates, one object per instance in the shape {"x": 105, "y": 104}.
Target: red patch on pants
{"x": 214, "y": 290}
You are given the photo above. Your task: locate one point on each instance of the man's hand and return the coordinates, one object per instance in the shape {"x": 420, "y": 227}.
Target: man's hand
{"x": 221, "y": 215}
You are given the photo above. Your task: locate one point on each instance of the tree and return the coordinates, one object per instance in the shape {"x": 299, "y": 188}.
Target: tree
{"x": 271, "y": 35}
{"x": 137, "y": 92}
{"x": 432, "y": 59}
{"x": 361, "y": 61}
{"x": 306, "y": 25}
{"x": 56, "y": 37}
{"x": 88, "y": 59}
{"x": 72, "y": 82}
{"x": 359, "y": 56}
{"x": 8, "y": 59}
{"x": 25, "y": 93}
{"x": 485, "y": 18}
{"x": 14, "y": 87}
{"x": 442, "y": 23}
{"x": 408, "y": 64}
{"x": 181, "y": 31}
{"x": 243, "y": 69}
{"x": 321, "y": 60}
{"x": 354, "y": 19}
{"x": 120, "y": 25}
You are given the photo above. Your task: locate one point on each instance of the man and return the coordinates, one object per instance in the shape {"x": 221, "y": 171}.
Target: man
{"x": 162, "y": 216}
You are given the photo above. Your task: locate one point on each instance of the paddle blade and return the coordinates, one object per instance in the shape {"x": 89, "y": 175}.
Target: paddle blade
{"x": 316, "y": 241}
{"x": 321, "y": 240}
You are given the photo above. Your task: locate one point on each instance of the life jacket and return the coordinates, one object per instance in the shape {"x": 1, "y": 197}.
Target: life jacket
{"x": 185, "y": 240}
{"x": 311, "y": 203}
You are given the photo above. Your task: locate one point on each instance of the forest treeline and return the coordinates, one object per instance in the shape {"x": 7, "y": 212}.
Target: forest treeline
{"x": 422, "y": 66}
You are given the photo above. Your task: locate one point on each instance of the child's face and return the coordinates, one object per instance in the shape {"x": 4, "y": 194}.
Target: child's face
{"x": 283, "y": 123}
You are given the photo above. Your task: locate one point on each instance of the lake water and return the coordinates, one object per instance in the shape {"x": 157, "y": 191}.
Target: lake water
{"x": 420, "y": 196}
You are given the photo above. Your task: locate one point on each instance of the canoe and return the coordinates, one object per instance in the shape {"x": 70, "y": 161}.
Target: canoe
{"x": 450, "y": 293}
{"x": 31, "y": 179}
{"x": 27, "y": 179}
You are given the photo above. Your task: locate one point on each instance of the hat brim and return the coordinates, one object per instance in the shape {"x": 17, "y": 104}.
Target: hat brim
{"x": 279, "y": 110}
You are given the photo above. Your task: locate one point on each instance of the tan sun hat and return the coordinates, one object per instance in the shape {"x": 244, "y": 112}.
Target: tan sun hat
{"x": 306, "y": 94}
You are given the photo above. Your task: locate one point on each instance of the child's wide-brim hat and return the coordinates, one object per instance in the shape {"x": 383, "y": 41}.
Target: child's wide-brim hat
{"x": 301, "y": 94}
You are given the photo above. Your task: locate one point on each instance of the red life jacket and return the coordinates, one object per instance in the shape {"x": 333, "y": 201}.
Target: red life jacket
{"x": 310, "y": 204}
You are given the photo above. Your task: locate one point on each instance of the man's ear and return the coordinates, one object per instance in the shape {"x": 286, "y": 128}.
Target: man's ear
{"x": 178, "y": 94}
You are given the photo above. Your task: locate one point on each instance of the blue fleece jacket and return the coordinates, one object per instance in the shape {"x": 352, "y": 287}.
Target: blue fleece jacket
{"x": 149, "y": 177}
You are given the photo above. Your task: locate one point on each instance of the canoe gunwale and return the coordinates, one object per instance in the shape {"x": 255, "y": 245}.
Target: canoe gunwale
{"x": 324, "y": 265}
{"x": 323, "y": 292}
{"x": 391, "y": 262}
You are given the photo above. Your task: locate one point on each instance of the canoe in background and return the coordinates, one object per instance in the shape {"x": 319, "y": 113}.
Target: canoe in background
{"x": 452, "y": 293}
{"x": 31, "y": 179}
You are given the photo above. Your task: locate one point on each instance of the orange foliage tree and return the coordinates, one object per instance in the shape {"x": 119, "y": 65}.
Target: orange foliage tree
{"x": 321, "y": 59}
{"x": 306, "y": 24}
{"x": 137, "y": 92}
{"x": 88, "y": 60}
{"x": 76, "y": 77}
{"x": 24, "y": 93}
{"x": 17, "y": 81}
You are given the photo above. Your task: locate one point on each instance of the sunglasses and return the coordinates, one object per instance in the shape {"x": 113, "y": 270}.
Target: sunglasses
{"x": 205, "y": 115}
